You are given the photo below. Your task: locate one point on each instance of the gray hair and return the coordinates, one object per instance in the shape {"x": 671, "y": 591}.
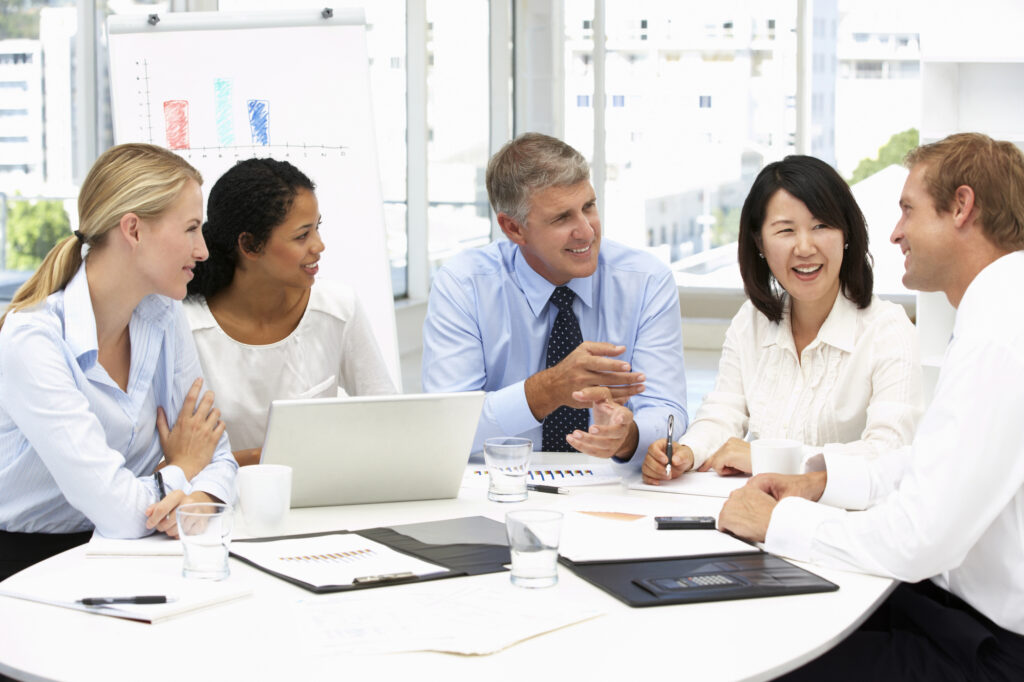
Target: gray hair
{"x": 527, "y": 164}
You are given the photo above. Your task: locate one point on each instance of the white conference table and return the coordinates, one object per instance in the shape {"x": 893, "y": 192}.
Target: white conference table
{"x": 263, "y": 637}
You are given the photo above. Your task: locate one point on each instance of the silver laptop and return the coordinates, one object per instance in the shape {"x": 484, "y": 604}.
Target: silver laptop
{"x": 373, "y": 449}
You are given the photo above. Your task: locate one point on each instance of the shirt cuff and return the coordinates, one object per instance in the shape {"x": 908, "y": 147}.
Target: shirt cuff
{"x": 174, "y": 478}
{"x": 848, "y": 485}
{"x": 793, "y": 525}
{"x": 510, "y": 409}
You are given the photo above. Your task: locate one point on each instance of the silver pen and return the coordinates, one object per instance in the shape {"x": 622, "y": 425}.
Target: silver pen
{"x": 668, "y": 445}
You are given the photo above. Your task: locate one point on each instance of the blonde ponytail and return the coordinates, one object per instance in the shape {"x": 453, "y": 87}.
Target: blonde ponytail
{"x": 130, "y": 178}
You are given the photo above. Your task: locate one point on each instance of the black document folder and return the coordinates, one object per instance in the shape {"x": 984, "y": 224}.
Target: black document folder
{"x": 683, "y": 580}
{"x": 471, "y": 545}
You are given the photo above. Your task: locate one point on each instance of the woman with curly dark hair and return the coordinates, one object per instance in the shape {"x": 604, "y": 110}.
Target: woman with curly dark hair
{"x": 263, "y": 330}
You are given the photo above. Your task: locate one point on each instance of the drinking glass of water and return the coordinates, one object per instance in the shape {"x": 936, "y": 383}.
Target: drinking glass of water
{"x": 508, "y": 460}
{"x": 533, "y": 536}
{"x": 205, "y": 532}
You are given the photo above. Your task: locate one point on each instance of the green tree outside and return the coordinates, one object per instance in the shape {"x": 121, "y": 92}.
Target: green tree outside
{"x": 892, "y": 152}
{"x": 17, "y": 20}
{"x": 33, "y": 227}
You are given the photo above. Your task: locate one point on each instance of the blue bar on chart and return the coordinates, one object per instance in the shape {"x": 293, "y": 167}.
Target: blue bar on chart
{"x": 259, "y": 121}
{"x": 225, "y": 124}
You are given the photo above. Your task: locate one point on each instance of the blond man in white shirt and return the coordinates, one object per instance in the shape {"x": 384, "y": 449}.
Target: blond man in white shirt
{"x": 952, "y": 504}
{"x": 812, "y": 355}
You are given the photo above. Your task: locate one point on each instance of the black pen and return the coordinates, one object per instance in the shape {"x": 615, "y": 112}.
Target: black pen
{"x": 160, "y": 482}
{"x": 143, "y": 599}
{"x": 668, "y": 445}
{"x": 553, "y": 489}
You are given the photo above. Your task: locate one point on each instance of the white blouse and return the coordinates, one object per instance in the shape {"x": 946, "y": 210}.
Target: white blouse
{"x": 332, "y": 348}
{"x": 855, "y": 391}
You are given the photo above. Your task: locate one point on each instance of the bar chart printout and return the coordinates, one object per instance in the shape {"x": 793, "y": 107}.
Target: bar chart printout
{"x": 562, "y": 476}
{"x": 335, "y": 559}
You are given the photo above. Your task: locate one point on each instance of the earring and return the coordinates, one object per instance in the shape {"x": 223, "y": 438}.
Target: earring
{"x": 760, "y": 255}
{"x": 846, "y": 246}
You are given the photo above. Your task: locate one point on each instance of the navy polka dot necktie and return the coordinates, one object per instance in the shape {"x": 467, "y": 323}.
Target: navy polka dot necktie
{"x": 565, "y": 336}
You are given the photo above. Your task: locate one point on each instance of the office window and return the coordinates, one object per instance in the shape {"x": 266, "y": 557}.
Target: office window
{"x": 671, "y": 158}
{"x": 457, "y": 112}
{"x": 38, "y": 130}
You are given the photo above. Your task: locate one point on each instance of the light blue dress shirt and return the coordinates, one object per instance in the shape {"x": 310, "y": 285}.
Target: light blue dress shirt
{"x": 77, "y": 452}
{"x": 489, "y": 319}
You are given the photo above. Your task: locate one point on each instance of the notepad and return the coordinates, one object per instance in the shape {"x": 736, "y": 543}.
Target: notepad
{"x": 334, "y": 559}
{"x": 564, "y": 476}
{"x": 98, "y": 579}
{"x": 707, "y": 483}
{"x": 157, "y": 544}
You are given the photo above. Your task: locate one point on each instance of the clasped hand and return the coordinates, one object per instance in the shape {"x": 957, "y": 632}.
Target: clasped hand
{"x": 590, "y": 364}
{"x": 612, "y": 432}
{"x": 748, "y": 511}
{"x": 190, "y": 444}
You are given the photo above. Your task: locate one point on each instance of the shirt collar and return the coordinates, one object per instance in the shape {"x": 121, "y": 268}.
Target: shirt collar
{"x": 538, "y": 290}
{"x": 80, "y": 320}
{"x": 839, "y": 329}
{"x": 986, "y": 286}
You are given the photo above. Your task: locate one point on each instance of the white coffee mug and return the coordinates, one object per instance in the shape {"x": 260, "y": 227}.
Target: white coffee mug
{"x": 776, "y": 456}
{"x": 265, "y": 495}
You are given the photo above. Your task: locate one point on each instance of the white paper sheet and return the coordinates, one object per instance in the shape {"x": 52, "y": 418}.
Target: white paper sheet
{"x": 156, "y": 544}
{"x": 108, "y": 579}
{"x": 335, "y": 559}
{"x": 487, "y": 616}
{"x": 706, "y": 483}
{"x": 591, "y": 538}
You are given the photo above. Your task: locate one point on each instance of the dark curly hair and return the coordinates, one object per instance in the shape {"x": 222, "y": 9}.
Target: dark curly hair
{"x": 829, "y": 199}
{"x": 245, "y": 205}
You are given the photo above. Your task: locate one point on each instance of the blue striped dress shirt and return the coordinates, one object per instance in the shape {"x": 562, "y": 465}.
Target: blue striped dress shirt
{"x": 77, "y": 452}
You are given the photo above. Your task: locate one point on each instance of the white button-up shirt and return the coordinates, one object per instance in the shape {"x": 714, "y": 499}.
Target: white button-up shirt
{"x": 854, "y": 392}
{"x": 332, "y": 348}
{"x": 77, "y": 452}
{"x": 956, "y": 512}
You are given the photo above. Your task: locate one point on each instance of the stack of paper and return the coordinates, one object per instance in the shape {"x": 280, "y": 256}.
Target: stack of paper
{"x": 486, "y": 616}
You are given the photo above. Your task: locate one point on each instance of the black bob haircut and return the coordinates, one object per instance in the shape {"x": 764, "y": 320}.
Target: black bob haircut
{"x": 829, "y": 199}
{"x": 245, "y": 205}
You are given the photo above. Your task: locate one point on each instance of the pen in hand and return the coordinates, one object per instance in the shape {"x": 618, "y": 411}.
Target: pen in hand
{"x": 668, "y": 445}
{"x": 160, "y": 482}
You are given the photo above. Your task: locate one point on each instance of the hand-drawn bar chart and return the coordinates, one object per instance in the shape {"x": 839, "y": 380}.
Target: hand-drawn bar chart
{"x": 176, "y": 118}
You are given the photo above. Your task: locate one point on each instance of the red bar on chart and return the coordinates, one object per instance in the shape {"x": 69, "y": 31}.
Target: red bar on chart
{"x": 176, "y": 123}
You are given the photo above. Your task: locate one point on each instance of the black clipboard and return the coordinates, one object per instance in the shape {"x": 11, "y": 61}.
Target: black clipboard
{"x": 687, "y": 580}
{"x": 438, "y": 542}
